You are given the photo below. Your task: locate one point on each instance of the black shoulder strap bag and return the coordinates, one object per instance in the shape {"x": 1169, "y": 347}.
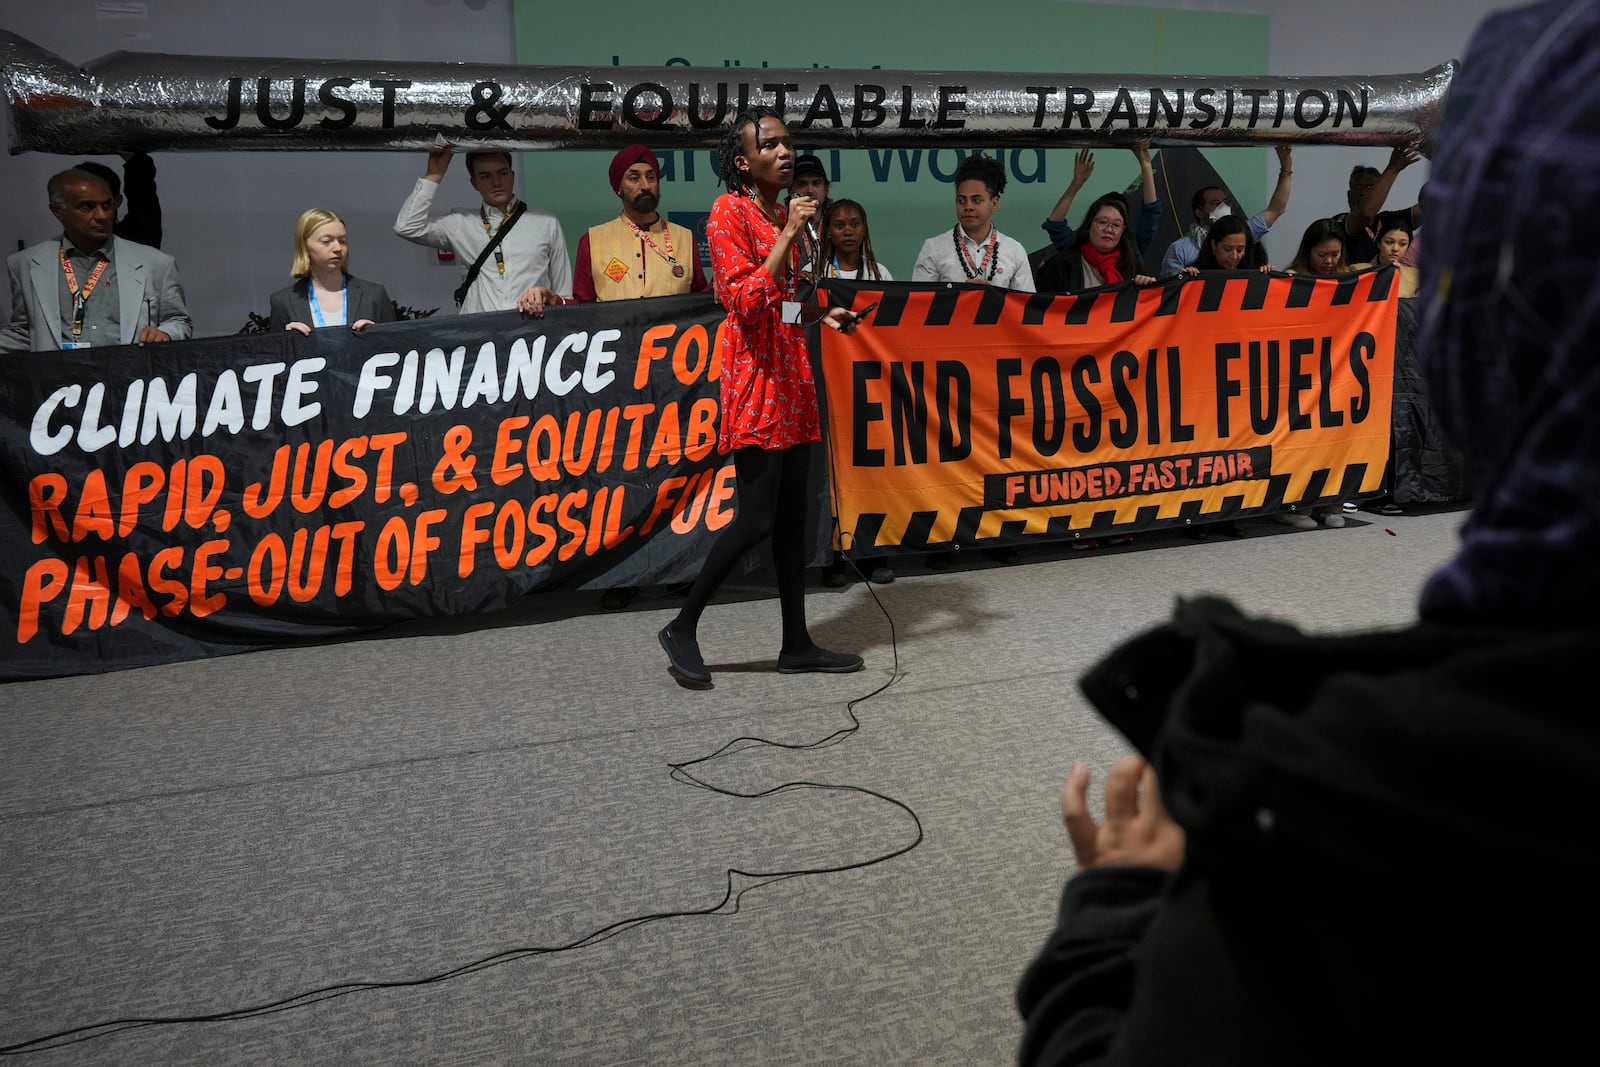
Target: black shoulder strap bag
{"x": 488, "y": 250}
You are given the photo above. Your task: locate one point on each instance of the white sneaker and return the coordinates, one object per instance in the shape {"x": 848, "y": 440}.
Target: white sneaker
{"x": 1333, "y": 519}
{"x": 1298, "y": 519}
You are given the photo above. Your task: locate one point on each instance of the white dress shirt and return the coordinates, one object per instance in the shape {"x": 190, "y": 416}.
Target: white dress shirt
{"x": 535, "y": 250}
{"x": 940, "y": 262}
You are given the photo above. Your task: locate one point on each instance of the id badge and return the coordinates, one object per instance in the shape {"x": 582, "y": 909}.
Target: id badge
{"x": 791, "y": 312}
{"x": 74, "y": 344}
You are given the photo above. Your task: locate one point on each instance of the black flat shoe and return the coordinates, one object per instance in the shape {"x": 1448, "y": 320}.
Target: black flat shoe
{"x": 881, "y": 575}
{"x": 684, "y": 655}
{"x": 817, "y": 661}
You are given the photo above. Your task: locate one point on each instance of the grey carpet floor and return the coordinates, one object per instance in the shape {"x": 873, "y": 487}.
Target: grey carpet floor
{"x": 198, "y": 838}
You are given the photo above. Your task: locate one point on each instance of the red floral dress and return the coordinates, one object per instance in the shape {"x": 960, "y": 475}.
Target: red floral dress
{"x": 769, "y": 398}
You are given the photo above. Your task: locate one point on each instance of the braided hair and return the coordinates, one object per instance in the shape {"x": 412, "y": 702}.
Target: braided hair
{"x": 731, "y": 146}
{"x": 868, "y": 266}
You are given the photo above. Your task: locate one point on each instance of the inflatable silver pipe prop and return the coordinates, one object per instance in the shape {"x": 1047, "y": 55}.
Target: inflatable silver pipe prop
{"x": 130, "y": 100}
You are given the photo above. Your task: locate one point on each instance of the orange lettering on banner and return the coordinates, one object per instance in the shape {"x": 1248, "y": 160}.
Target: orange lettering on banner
{"x": 201, "y": 605}
{"x": 96, "y": 596}
{"x": 668, "y": 444}
{"x": 283, "y": 549}
{"x": 262, "y": 499}
{"x": 402, "y": 552}
{"x": 718, "y": 516}
{"x": 308, "y": 483}
{"x": 142, "y": 486}
{"x": 502, "y": 471}
{"x": 665, "y": 502}
{"x": 649, "y": 351}
{"x": 383, "y": 445}
{"x": 344, "y": 568}
{"x": 544, "y": 449}
{"x": 203, "y": 490}
{"x": 175, "y": 590}
{"x": 472, "y": 535}
{"x": 691, "y": 355}
{"x": 354, "y": 475}
{"x": 306, "y": 567}
{"x": 193, "y": 490}
{"x": 543, "y": 532}
{"x": 94, "y": 509}
{"x": 635, "y": 414}
{"x": 701, "y": 437}
{"x": 694, "y": 354}
{"x": 585, "y": 444}
{"x": 269, "y": 555}
{"x": 44, "y": 581}
{"x": 46, "y": 494}
{"x": 571, "y": 523}
{"x": 174, "y": 511}
{"x": 687, "y": 512}
{"x": 1126, "y": 409}
{"x": 300, "y": 567}
{"x": 393, "y": 557}
{"x": 90, "y": 597}
{"x": 608, "y": 441}
{"x": 131, "y": 592}
{"x": 689, "y": 500}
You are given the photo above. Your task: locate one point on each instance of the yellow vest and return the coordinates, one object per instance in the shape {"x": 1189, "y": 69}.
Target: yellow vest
{"x": 624, "y": 267}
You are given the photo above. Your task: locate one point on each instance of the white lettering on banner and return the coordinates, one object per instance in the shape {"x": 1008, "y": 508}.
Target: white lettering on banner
{"x": 151, "y": 408}
{"x": 433, "y": 380}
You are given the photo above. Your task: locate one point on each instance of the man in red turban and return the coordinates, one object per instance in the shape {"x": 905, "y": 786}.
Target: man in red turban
{"x": 638, "y": 253}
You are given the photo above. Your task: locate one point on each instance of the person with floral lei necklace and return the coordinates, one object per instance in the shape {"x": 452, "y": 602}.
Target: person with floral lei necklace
{"x": 974, "y": 251}
{"x": 769, "y": 414}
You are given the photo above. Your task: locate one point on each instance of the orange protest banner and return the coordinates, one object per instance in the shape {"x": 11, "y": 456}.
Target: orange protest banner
{"x": 964, "y": 414}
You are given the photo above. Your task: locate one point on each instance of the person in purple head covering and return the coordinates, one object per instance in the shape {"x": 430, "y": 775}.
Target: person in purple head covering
{"x": 1379, "y": 847}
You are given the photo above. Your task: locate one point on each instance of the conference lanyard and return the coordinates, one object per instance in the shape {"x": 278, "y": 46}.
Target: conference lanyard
{"x": 316, "y": 305}
{"x": 79, "y": 299}
{"x": 499, "y": 256}
{"x": 666, "y": 236}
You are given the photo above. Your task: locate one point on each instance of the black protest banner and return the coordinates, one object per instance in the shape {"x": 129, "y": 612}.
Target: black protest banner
{"x": 187, "y": 500}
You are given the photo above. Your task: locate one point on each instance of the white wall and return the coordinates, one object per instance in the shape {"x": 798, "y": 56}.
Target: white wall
{"x": 1370, "y": 37}
{"x": 229, "y": 215}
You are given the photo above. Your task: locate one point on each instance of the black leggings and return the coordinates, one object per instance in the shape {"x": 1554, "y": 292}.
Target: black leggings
{"x": 772, "y": 503}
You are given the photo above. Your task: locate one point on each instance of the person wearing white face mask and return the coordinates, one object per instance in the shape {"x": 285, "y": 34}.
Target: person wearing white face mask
{"x": 1211, "y": 203}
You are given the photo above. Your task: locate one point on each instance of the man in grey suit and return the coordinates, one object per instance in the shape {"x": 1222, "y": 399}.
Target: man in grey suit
{"x": 87, "y": 288}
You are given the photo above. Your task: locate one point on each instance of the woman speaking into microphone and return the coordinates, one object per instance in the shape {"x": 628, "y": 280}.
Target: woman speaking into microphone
{"x": 769, "y": 415}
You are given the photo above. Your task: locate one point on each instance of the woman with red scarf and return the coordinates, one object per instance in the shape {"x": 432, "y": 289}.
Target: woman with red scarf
{"x": 1102, "y": 254}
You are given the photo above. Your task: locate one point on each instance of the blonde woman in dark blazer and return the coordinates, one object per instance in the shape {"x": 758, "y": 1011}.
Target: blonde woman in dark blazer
{"x": 324, "y": 292}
